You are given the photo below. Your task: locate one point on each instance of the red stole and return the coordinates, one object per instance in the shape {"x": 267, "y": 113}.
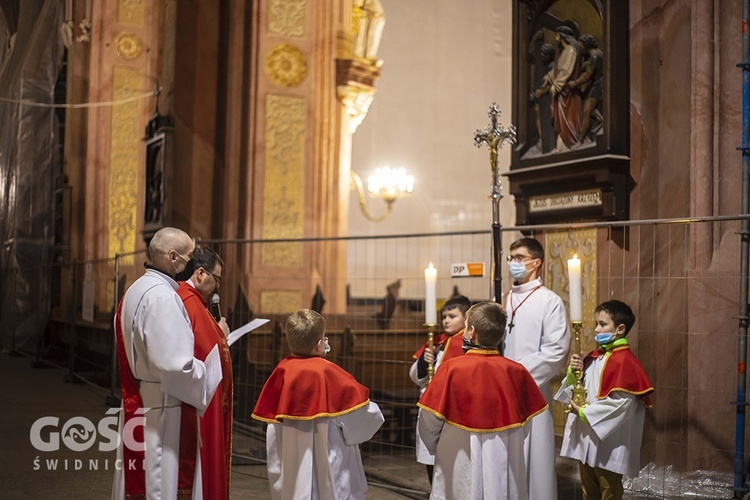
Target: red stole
{"x": 216, "y": 422}
{"x": 304, "y": 388}
{"x": 482, "y": 391}
{"x": 623, "y": 372}
{"x": 449, "y": 344}
{"x": 135, "y": 475}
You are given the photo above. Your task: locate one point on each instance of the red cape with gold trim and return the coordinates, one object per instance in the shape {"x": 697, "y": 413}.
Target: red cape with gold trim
{"x": 623, "y": 372}
{"x": 449, "y": 344}
{"x": 304, "y": 388}
{"x": 482, "y": 391}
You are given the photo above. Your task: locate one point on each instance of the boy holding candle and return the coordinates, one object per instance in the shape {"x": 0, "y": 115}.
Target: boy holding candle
{"x": 485, "y": 400}
{"x": 605, "y": 433}
{"x": 537, "y": 337}
{"x": 446, "y": 346}
{"x": 317, "y": 414}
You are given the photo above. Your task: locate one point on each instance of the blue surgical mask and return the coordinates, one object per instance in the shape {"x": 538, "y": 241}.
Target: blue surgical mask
{"x": 328, "y": 347}
{"x": 604, "y": 338}
{"x": 518, "y": 270}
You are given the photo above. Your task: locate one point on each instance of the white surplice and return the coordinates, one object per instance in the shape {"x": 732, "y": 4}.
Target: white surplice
{"x": 474, "y": 465}
{"x": 612, "y": 437}
{"x": 423, "y": 454}
{"x": 158, "y": 341}
{"x": 540, "y": 341}
{"x": 319, "y": 458}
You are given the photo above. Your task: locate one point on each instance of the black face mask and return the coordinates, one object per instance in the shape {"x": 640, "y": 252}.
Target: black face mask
{"x": 468, "y": 344}
{"x": 187, "y": 272}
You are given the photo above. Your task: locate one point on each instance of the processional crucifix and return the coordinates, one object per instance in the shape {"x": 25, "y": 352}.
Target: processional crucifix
{"x": 495, "y": 136}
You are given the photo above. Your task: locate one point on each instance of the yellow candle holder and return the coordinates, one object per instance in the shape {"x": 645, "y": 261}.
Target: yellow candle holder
{"x": 430, "y": 346}
{"x": 579, "y": 391}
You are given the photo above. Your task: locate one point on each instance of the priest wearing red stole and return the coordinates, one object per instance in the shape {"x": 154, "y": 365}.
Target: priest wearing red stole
{"x": 447, "y": 345}
{"x": 216, "y": 422}
{"x": 317, "y": 414}
{"x": 473, "y": 415}
{"x": 605, "y": 433}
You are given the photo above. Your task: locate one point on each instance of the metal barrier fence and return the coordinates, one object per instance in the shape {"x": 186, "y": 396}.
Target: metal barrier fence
{"x": 680, "y": 276}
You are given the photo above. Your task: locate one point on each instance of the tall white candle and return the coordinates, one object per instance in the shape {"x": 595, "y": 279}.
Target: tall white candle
{"x": 574, "y": 288}
{"x": 430, "y": 280}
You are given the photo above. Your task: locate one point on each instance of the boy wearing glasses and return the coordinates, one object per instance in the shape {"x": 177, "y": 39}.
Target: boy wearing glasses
{"x": 537, "y": 336}
{"x": 317, "y": 414}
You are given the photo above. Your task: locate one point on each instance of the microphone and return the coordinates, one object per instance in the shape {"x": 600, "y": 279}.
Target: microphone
{"x": 215, "y": 307}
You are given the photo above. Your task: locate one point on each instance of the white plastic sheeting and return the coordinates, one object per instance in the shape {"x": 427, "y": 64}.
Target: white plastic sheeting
{"x": 29, "y": 166}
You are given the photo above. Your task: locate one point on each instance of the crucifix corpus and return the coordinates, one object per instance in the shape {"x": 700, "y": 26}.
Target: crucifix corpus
{"x": 495, "y": 136}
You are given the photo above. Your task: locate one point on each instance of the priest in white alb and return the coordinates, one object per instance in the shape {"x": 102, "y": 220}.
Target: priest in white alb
{"x": 164, "y": 388}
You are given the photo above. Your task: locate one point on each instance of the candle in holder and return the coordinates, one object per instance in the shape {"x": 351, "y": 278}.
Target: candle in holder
{"x": 574, "y": 288}
{"x": 430, "y": 280}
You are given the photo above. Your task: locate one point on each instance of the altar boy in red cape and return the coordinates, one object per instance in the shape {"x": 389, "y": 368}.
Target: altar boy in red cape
{"x": 473, "y": 415}
{"x": 446, "y": 346}
{"x": 605, "y": 434}
{"x": 317, "y": 414}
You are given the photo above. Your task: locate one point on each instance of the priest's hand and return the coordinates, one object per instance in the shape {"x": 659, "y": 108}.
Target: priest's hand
{"x": 224, "y": 326}
{"x": 576, "y": 363}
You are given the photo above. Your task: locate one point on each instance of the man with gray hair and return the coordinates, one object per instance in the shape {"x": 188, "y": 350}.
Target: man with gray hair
{"x": 164, "y": 387}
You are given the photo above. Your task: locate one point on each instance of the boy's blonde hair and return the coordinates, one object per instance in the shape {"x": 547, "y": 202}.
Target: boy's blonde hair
{"x": 304, "y": 329}
{"x": 488, "y": 320}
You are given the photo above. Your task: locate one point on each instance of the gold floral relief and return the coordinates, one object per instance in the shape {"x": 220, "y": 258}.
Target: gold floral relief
{"x": 280, "y": 301}
{"x": 125, "y": 145}
{"x": 130, "y": 11}
{"x": 284, "y": 188}
{"x": 561, "y": 246}
{"x": 286, "y": 65}
{"x": 287, "y": 17}
{"x": 128, "y": 46}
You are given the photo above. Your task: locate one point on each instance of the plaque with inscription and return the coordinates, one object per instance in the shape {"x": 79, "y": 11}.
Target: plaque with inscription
{"x": 571, "y": 108}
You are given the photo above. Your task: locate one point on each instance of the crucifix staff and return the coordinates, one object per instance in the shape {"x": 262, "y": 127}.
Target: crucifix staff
{"x": 495, "y": 136}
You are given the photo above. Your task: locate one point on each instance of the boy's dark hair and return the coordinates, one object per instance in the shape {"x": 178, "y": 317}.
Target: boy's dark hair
{"x": 533, "y": 246}
{"x": 620, "y": 312}
{"x": 206, "y": 258}
{"x": 304, "y": 329}
{"x": 488, "y": 320}
{"x": 457, "y": 302}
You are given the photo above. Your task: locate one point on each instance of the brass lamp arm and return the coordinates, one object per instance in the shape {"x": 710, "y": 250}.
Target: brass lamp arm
{"x": 363, "y": 200}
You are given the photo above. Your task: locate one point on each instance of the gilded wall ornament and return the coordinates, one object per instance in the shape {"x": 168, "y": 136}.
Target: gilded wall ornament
{"x": 286, "y": 65}
{"x": 356, "y": 99}
{"x": 130, "y": 11}
{"x": 280, "y": 301}
{"x": 284, "y": 184}
{"x": 287, "y": 17}
{"x": 128, "y": 46}
{"x": 124, "y": 148}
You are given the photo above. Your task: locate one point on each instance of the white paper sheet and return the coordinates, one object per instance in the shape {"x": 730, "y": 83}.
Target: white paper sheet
{"x": 237, "y": 334}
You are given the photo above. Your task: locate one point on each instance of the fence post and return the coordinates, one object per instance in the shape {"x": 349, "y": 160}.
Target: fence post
{"x": 113, "y": 400}
{"x": 72, "y": 335}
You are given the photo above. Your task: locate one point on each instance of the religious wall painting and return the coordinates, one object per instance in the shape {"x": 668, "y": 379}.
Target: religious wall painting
{"x": 570, "y": 105}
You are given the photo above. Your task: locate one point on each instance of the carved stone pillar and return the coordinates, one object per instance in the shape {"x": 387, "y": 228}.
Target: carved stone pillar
{"x": 125, "y": 37}
{"x": 285, "y": 176}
